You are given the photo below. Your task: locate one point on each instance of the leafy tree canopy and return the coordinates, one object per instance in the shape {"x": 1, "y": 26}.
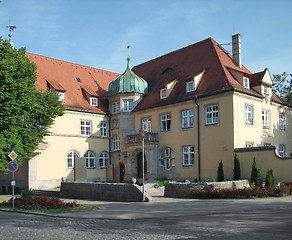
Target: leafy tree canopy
{"x": 283, "y": 86}
{"x": 25, "y": 112}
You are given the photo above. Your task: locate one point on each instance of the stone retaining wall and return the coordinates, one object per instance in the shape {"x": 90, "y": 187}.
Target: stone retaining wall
{"x": 116, "y": 192}
{"x": 183, "y": 190}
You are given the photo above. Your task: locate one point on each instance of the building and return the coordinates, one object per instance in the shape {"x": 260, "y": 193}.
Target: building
{"x": 198, "y": 105}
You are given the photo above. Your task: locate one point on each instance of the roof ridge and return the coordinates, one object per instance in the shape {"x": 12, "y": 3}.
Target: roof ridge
{"x": 172, "y": 52}
{"x": 77, "y": 64}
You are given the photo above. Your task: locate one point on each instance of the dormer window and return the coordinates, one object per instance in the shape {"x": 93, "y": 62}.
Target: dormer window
{"x": 163, "y": 93}
{"x": 246, "y": 82}
{"x": 190, "y": 86}
{"x": 61, "y": 96}
{"x": 94, "y": 101}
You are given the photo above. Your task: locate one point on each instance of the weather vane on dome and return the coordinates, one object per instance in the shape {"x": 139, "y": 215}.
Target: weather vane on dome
{"x": 11, "y": 29}
{"x": 128, "y": 54}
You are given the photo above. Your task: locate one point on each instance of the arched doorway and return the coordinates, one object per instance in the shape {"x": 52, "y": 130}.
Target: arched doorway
{"x": 140, "y": 165}
{"x": 122, "y": 172}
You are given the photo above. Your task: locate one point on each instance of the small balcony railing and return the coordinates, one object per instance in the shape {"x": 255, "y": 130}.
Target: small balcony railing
{"x": 137, "y": 138}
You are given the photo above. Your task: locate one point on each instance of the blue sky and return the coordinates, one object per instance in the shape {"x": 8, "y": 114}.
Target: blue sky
{"x": 96, "y": 33}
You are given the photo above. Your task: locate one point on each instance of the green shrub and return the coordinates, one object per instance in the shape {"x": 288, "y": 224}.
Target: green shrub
{"x": 259, "y": 180}
{"x": 252, "y": 192}
{"x": 161, "y": 182}
{"x": 27, "y": 194}
{"x": 220, "y": 172}
{"x": 254, "y": 171}
{"x": 236, "y": 170}
{"x": 270, "y": 179}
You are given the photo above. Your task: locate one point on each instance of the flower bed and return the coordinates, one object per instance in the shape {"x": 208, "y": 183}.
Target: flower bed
{"x": 38, "y": 202}
{"x": 252, "y": 192}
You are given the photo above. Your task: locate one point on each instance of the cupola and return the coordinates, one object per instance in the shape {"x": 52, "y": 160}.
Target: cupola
{"x": 128, "y": 82}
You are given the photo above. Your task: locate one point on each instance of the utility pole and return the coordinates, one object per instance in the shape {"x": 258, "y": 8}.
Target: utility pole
{"x": 11, "y": 29}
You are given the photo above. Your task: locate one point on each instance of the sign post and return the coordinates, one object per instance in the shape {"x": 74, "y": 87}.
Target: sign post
{"x": 12, "y": 167}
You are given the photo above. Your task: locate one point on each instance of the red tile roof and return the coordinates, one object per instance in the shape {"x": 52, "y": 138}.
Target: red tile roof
{"x": 62, "y": 75}
{"x": 185, "y": 63}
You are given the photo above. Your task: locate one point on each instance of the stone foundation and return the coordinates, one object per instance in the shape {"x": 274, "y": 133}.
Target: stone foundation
{"x": 183, "y": 190}
{"x": 116, "y": 192}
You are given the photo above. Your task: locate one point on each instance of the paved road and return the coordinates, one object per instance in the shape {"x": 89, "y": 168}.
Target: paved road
{"x": 161, "y": 219}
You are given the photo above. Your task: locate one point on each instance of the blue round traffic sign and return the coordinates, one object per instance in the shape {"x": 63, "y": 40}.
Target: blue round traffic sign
{"x": 12, "y": 166}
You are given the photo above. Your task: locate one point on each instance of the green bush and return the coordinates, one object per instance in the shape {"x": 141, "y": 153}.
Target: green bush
{"x": 220, "y": 172}
{"x": 236, "y": 170}
{"x": 270, "y": 179}
{"x": 252, "y": 192}
{"x": 254, "y": 171}
{"x": 27, "y": 194}
{"x": 161, "y": 182}
{"x": 259, "y": 180}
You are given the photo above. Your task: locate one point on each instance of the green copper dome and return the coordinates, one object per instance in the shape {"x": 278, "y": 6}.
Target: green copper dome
{"x": 128, "y": 82}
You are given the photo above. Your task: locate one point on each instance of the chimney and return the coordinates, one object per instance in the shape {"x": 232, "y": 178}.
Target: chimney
{"x": 236, "y": 49}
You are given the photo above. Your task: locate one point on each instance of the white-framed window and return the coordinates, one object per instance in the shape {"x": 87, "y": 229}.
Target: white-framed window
{"x": 246, "y": 82}
{"x": 249, "y": 144}
{"x": 61, "y": 96}
{"x": 103, "y": 129}
{"x": 85, "y": 127}
{"x": 115, "y": 107}
{"x": 90, "y": 159}
{"x": 248, "y": 110}
{"x": 282, "y": 122}
{"x": 165, "y": 122}
{"x": 190, "y": 86}
{"x": 94, "y": 101}
{"x": 267, "y": 144}
{"x": 70, "y": 159}
{"x": 116, "y": 143}
{"x": 163, "y": 93}
{"x": 104, "y": 160}
{"x": 265, "y": 118}
{"x": 187, "y": 118}
{"x": 146, "y": 124}
{"x": 188, "y": 156}
{"x": 212, "y": 114}
{"x": 128, "y": 105}
{"x": 282, "y": 150}
{"x": 167, "y": 158}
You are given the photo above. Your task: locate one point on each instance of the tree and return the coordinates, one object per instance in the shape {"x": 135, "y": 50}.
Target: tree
{"x": 236, "y": 170}
{"x": 254, "y": 171}
{"x": 259, "y": 181}
{"x": 270, "y": 179}
{"x": 283, "y": 86}
{"x": 220, "y": 173}
{"x": 25, "y": 112}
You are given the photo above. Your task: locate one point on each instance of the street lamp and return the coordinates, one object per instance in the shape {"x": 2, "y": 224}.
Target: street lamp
{"x": 143, "y": 133}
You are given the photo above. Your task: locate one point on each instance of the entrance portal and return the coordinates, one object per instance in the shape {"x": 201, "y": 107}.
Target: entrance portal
{"x": 140, "y": 166}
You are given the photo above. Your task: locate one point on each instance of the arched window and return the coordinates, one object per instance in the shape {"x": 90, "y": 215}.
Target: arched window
{"x": 104, "y": 160}
{"x": 167, "y": 158}
{"x": 70, "y": 158}
{"x": 116, "y": 143}
{"x": 90, "y": 159}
